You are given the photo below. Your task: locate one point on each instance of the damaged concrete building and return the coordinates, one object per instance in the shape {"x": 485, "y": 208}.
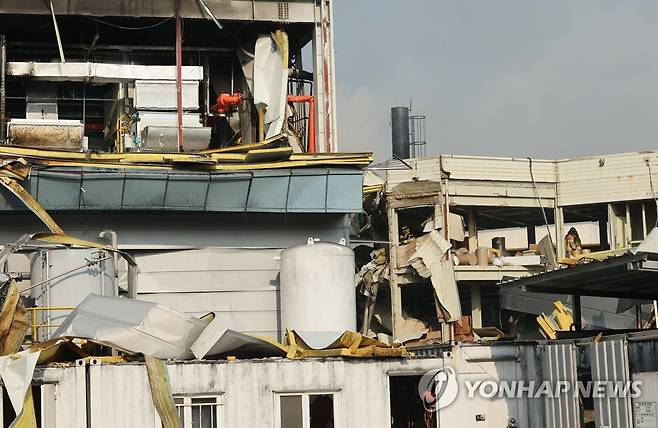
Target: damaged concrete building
{"x": 180, "y": 242}
{"x": 491, "y": 220}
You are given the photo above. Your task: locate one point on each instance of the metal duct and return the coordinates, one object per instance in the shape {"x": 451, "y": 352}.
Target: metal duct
{"x": 400, "y": 131}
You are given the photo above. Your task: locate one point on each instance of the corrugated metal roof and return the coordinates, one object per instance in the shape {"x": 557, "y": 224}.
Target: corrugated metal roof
{"x": 630, "y": 276}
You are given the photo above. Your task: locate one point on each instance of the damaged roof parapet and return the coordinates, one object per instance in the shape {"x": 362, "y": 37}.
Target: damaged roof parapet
{"x": 259, "y": 177}
{"x": 329, "y": 190}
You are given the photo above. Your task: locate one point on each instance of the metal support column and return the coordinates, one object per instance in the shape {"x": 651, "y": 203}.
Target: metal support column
{"x": 179, "y": 77}
{"x": 559, "y": 232}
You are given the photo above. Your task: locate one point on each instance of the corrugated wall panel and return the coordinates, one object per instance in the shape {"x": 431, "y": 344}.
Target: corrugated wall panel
{"x": 498, "y": 169}
{"x": 610, "y": 364}
{"x": 559, "y": 364}
{"x": 606, "y": 179}
{"x": 239, "y": 285}
{"x": 421, "y": 169}
{"x": 500, "y": 189}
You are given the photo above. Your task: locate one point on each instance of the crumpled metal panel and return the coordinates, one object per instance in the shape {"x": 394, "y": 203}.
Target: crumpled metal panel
{"x": 559, "y": 364}
{"x": 133, "y": 325}
{"x": 609, "y": 360}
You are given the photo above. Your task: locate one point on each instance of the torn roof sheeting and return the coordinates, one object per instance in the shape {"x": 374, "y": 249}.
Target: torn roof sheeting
{"x": 133, "y": 325}
{"x": 273, "y": 153}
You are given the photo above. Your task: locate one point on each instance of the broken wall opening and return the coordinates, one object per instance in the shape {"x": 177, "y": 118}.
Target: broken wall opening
{"x": 407, "y": 409}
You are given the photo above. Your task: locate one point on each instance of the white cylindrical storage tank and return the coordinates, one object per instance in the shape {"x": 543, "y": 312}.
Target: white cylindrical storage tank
{"x": 317, "y": 291}
{"x": 67, "y": 277}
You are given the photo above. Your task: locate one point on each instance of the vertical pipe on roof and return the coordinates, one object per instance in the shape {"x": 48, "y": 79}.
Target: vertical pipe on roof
{"x": 400, "y": 131}
{"x": 179, "y": 78}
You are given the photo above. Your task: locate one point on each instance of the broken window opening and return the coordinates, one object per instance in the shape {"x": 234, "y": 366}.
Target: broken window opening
{"x": 198, "y": 411}
{"x": 305, "y": 410}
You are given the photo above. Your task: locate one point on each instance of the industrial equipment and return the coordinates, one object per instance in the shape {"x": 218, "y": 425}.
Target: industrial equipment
{"x": 138, "y": 80}
{"x": 318, "y": 298}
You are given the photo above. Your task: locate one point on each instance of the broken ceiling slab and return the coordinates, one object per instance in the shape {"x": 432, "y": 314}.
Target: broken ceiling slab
{"x": 133, "y": 325}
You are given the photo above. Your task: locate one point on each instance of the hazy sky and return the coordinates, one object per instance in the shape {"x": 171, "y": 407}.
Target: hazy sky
{"x": 549, "y": 79}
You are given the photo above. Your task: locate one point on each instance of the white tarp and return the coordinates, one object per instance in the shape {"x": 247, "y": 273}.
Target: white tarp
{"x": 133, "y": 325}
{"x": 16, "y": 371}
{"x": 270, "y": 83}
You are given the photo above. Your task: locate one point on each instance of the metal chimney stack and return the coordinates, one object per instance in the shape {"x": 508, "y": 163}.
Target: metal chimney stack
{"x": 400, "y": 131}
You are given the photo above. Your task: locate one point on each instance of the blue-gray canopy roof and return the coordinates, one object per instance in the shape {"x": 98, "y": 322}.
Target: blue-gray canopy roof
{"x": 301, "y": 190}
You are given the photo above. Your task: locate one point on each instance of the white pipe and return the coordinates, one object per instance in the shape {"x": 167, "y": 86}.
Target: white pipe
{"x": 59, "y": 39}
{"x": 114, "y": 242}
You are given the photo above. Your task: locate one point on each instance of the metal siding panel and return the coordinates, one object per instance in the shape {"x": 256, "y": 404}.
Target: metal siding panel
{"x": 344, "y": 192}
{"x": 498, "y": 169}
{"x": 502, "y": 189}
{"x": 264, "y": 322}
{"x": 119, "y": 396}
{"x": 499, "y": 201}
{"x": 144, "y": 190}
{"x": 560, "y": 365}
{"x": 228, "y": 192}
{"x": 622, "y": 177}
{"x": 204, "y": 280}
{"x": 187, "y": 191}
{"x": 269, "y": 191}
{"x": 236, "y": 301}
{"x": 239, "y": 285}
{"x": 60, "y": 190}
{"x": 609, "y": 360}
{"x": 161, "y": 95}
{"x": 101, "y": 188}
{"x": 421, "y": 169}
{"x": 308, "y": 191}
